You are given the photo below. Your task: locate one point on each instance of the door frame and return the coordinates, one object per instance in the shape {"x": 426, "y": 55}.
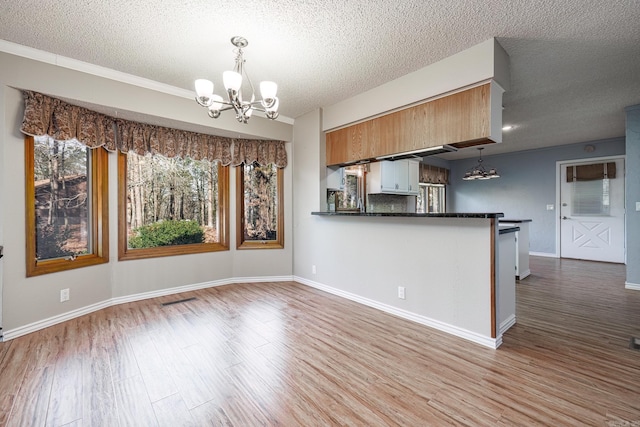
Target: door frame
{"x": 559, "y": 165}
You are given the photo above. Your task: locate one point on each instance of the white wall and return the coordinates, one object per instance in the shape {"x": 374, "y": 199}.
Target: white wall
{"x": 308, "y": 194}
{"x": 27, "y": 301}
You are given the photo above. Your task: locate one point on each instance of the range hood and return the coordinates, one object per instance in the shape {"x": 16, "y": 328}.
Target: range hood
{"x": 422, "y": 152}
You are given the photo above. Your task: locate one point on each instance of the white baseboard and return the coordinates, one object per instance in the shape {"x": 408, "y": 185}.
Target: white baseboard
{"x": 524, "y": 275}
{"x": 632, "y": 286}
{"x": 54, "y": 320}
{"x": 423, "y": 320}
{"x": 504, "y": 326}
{"x": 258, "y": 279}
{"x": 168, "y": 291}
{"x": 544, "y": 254}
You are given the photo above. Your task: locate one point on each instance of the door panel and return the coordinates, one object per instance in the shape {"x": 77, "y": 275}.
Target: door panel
{"x": 592, "y": 217}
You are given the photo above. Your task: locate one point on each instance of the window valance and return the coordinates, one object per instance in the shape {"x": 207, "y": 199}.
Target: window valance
{"x": 433, "y": 174}
{"x": 591, "y": 172}
{"x": 45, "y": 115}
{"x": 256, "y": 151}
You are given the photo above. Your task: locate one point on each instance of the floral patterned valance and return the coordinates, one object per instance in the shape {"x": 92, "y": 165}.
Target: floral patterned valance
{"x": 44, "y": 115}
{"x": 60, "y": 120}
{"x": 256, "y": 151}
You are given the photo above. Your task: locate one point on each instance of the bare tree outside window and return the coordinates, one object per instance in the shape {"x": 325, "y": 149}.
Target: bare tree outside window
{"x": 66, "y": 195}
{"x": 171, "y": 202}
{"x": 260, "y": 220}
{"x": 62, "y": 208}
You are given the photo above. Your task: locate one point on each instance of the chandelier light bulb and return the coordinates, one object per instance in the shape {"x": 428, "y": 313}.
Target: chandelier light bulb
{"x": 232, "y": 80}
{"x": 204, "y": 91}
{"x": 216, "y": 103}
{"x": 268, "y": 91}
{"x": 274, "y": 105}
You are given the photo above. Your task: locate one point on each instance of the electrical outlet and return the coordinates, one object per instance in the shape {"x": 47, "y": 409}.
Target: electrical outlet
{"x": 64, "y": 295}
{"x": 313, "y": 269}
{"x": 401, "y": 292}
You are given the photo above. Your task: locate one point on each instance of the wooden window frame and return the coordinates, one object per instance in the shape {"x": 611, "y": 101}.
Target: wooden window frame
{"x": 258, "y": 244}
{"x": 126, "y": 253}
{"x": 99, "y": 181}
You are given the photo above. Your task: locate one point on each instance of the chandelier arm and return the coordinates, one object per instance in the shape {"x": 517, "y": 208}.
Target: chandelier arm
{"x": 234, "y": 99}
{"x": 203, "y": 104}
{"x": 228, "y": 107}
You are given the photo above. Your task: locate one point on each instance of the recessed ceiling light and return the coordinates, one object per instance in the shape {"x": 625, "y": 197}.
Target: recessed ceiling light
{"x": 508, "y": 127}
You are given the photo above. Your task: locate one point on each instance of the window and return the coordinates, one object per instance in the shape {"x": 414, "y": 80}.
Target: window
{"x": 351, "y": 197}
{"x": 171, "y": 206}
{"x": 66, "y": 205}
{"x": 590, "y": 198}
{"x": 431, "y": 198}
{"x": 260, "y": 220}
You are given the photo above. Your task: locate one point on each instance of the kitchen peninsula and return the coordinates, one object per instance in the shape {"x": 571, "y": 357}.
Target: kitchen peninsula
{"x": 442, "y": 270}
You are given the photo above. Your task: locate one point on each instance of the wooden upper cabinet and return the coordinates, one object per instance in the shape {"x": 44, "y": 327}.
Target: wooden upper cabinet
{"x": 461, "y": 119}
{"x": 345, "y": 145}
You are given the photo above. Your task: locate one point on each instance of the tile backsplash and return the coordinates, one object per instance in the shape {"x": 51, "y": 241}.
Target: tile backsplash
{"x": 390, "y": 203}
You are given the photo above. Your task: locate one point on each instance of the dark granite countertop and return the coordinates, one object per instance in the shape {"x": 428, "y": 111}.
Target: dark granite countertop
{"x": 505, "y": 230}
{"x": 515, "y": 220}
{"x": 414, "y": 215}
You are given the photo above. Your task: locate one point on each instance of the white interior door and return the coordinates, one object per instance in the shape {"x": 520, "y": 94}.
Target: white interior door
{"x": 592, "y": 215}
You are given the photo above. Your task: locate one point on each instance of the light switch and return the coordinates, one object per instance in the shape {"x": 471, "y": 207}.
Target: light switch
{"x": 549, "y": 207}
{"x": 638, "y": 206}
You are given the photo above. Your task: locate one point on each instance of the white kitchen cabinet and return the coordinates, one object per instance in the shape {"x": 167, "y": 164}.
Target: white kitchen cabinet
{"x": 522, "y": 245}
{"x": 401, "y": 173}
{"x": 414, "y": 177}
{"x": 393, "y": 177}
{"x": 506, "y": 284}
{"x": 335, "y": 178}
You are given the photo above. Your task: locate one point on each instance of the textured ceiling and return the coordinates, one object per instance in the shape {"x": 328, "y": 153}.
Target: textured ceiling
{"x": 575, "y": 64}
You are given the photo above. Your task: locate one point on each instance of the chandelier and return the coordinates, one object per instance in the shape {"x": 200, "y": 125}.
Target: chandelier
{"x": 233, "y": 81}
{"x": 479, "y": 171}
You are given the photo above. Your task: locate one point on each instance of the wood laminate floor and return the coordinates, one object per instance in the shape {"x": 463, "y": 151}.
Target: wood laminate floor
{"x": 284, "y": 354}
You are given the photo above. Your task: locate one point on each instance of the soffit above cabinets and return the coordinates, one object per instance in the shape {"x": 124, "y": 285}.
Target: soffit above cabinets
{"x": 486, "y": 61}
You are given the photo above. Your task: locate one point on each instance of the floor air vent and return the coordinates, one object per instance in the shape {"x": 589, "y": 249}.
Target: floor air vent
{"x": 178, "y": 301}
{"x": 635, "y": 343}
